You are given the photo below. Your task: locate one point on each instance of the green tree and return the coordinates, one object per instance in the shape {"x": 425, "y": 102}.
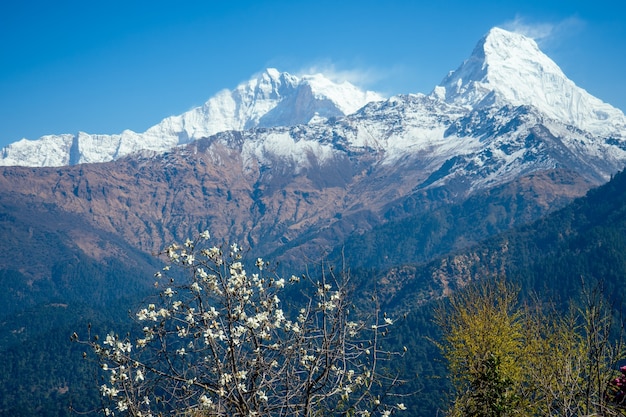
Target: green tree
{"x": 510, "y": 359}
{"x": 483, "y": 341}
{"x": 574, "y": 357}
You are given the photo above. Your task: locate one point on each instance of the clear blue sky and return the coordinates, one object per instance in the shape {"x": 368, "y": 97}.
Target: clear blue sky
{"x": 106, "y": 66}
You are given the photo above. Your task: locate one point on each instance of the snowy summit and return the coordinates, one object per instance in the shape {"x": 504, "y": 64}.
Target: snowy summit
{"x": 505, "y": 70}
{"x": 269, "y": 99}
{"x": 509, "y": 68}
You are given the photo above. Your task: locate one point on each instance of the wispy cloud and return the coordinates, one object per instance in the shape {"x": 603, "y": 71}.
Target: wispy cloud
{"x": 359, "y": 77}
{"x": 365, "y": 76}
{"x": 545, "y": 33}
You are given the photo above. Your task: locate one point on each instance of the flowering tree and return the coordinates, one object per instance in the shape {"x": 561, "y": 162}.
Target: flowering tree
{"x": 219, "y": 342}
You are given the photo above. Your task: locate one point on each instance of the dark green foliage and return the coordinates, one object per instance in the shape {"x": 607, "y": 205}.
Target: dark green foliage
{"x": 552, "y": 260}
{"x": 490, "y": 394}
{"x": 585, "y": 241}
{"x": 426, "y": 389}
{"x": 41, "y": 372}
{"x": 454, "y": 227}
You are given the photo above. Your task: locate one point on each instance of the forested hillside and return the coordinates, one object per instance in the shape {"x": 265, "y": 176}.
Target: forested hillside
{"x": 554, "y": 261}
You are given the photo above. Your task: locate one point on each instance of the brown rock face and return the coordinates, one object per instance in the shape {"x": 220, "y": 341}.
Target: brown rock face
{"x": 281, "y": 208}
{"x": 151, "y": 202}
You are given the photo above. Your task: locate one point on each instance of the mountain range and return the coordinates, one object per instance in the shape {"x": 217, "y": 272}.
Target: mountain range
{"x": 269, "y": 99}
{"x": 298, "y": 168}
{"x": 506, "y": 113}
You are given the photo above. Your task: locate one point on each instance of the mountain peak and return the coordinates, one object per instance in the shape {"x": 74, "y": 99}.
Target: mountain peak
{"x": 509, "y": 68}
{"x": 272, "y": 73}
{"x": 270, "y": 84}
{"x": 501, "y": 42}
{"x": 503, "y": 66}
{"x": 270, "y": 98}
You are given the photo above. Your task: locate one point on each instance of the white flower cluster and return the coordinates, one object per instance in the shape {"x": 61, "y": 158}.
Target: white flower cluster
{"x": 123, "y": 374}
{"x": 222, "y": 343}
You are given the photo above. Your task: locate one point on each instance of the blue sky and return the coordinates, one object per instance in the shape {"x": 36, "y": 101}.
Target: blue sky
{"x": 102, "y": 67}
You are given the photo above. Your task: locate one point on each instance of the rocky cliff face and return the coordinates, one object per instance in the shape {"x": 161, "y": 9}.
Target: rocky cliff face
{"x": 297, "y": 207}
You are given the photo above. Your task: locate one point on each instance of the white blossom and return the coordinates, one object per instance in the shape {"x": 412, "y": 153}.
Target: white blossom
{"x": 228, "y": 327}
{"x": 142, "y": 314}
{"x": 205, "y": 401}
{"x": 225, "y": 379}
{"x": 122, "y": 405}
{"x": 139, "y": 375}
{"x": 110, "y": 340}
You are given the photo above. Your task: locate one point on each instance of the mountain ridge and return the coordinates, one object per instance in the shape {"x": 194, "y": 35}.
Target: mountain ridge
{"x": 505, "y": 69}
{"x": 268, "y": 99}
{"x": 581, "y": 244}
{"x": 317, "y": 183}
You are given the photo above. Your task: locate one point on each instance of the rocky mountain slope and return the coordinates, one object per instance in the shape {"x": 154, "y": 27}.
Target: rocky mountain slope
{"x": 305, "y": 188}
{"x": 556, "y": 257}
{"x": 269, "y": 99}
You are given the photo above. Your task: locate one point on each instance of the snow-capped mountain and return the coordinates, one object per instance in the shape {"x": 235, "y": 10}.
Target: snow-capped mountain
{"x": 299, "y": 167}
{"x": 507, "y": 115}
{"x": 269, "y": 99}
{"x": 507, "y": 111}
{"x": 509, "y": 69}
